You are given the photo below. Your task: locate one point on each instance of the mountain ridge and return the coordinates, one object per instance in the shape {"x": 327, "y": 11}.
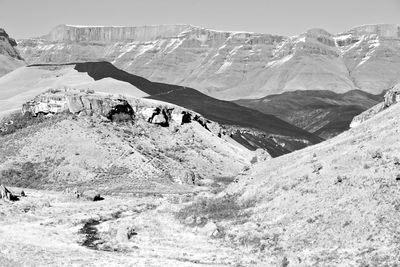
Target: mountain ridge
{"x": 233, "y": 65}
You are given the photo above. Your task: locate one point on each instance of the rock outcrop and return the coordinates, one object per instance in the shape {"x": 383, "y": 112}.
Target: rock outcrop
{"x": 233, "y": 65}
{"x": 391, "y": 97}
{"x": 77, "y": 102}
{"x": 112, "y": 107}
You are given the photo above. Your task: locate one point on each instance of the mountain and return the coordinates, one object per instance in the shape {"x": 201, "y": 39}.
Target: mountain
{"x": 9, "y": 56}
{"x": 323, "y": 113}
{"x": 233, "y": 65}
{"x": 251, "y": 128}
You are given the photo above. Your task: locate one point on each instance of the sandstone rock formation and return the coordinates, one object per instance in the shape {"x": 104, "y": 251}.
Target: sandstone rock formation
{"x": 77, "y": 102}
{"x": 233, "y": 65}
{"x": 56, "y": 101}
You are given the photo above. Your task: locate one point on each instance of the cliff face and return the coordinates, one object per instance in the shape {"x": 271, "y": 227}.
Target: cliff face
{"x": 233, "y": 65}
{"x": 9, "y": 56}
{"x": 100, "y": 34}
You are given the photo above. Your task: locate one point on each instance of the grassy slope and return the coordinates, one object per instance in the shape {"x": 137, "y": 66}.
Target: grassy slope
{"x": 336, "y": 203}
{"x": 66, "y": 151}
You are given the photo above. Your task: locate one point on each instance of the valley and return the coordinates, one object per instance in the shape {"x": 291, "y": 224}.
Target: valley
{"x": 177, "y": 145}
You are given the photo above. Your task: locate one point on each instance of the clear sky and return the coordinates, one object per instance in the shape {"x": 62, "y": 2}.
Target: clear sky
{"x": 31, "y": 18}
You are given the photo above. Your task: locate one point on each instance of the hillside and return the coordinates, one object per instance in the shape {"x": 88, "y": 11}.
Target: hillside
{"x": 82, "y": 145}
{"x": 9, "y": 56}
{"x": 336, "y": 203}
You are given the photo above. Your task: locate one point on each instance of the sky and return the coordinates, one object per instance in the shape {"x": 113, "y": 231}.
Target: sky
{"x": 33, "y": 18}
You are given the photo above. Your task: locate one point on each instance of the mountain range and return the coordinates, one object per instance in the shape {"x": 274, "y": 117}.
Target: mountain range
{"x": 243, "y": 66}
{"x": 232, "y": 65}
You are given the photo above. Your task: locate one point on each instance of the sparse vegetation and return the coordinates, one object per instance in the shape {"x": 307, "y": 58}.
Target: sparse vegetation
{"x": 215, "y": 209}
{"x": 121, "y": 117}
{"x": 18, "y": 121}
{"x": 29, "y": 174}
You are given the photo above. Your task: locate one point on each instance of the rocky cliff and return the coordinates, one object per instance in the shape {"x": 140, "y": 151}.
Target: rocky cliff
{"x": 233, "y": 65}
{"x": 10, "y": 59}
{"x": 101, "y": 34}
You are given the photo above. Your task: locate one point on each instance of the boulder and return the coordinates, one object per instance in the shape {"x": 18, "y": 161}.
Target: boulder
{"x": 6, "y": 194}
{"x": 262, "y": 155}
{"x": 124, "y": 233}
{"x": 188, "y": 177}
{"x": 210, "y": 229}
{"x": 392, "y": 96}
{"x": 74, "y": 103}
{"x": 159, "y": 119}
{"x": 92, "y": 195}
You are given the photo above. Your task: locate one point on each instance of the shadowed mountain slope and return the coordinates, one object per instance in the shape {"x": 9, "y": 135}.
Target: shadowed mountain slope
{"x": 324, "y": 113}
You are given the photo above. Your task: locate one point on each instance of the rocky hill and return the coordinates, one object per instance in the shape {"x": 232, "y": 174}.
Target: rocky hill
{"x": 9, "y": 56}
{"x": 69, "y": 138}
{"x": 233, "y": 65}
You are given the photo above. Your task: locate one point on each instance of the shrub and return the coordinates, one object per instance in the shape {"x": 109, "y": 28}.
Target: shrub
{"x": 121, "y": 117}
{"x": 317, "y": 167}
{"x": 17, "y": 121}
{"x": 215, "y": 209}
{"x": 29, "y": 174}
{"x": 377, "y": 154}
